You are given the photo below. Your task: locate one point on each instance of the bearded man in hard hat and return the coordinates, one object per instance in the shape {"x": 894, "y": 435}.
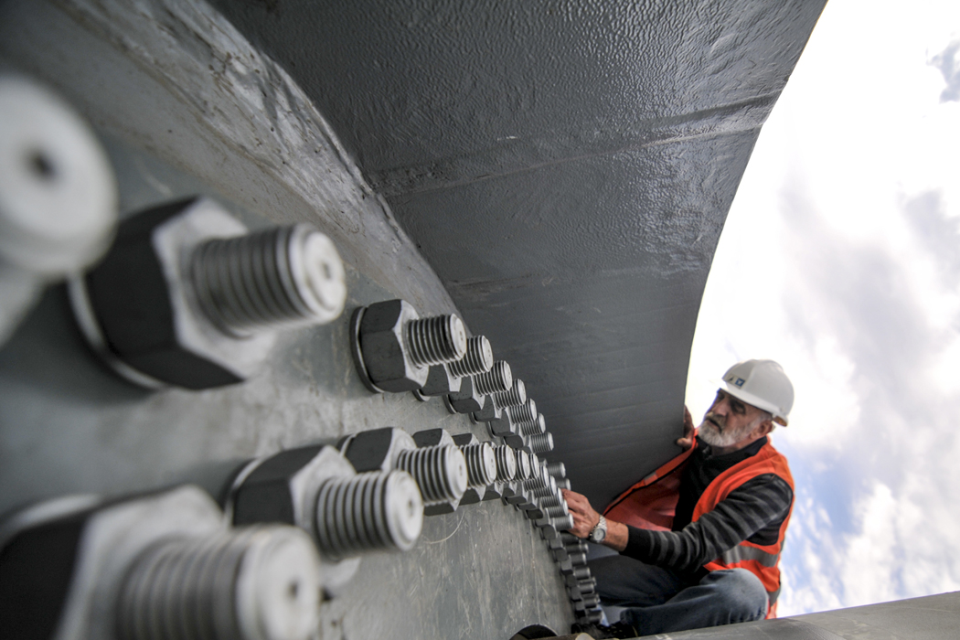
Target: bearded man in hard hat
{"x": 700, "y": 538}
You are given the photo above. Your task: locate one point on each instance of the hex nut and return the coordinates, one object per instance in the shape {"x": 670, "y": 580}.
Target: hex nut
{"x": 114, "y": 537}
{"x": 387, "y": 349}
{"x": 377, "y": 449}
{"x": 283, "y": 487}
{"x": 439, "y": 382}
{"x": 138, "y": 309}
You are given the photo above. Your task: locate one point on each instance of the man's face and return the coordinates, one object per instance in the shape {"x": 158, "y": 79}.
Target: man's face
{"x": 728, "y": 421}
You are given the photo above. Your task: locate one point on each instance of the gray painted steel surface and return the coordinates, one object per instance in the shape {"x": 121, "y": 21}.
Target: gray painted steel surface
{"x": 185, "y": 106}
{"x": 566, "y": 167}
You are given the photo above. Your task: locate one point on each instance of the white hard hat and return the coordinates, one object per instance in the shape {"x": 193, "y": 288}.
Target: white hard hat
{"x": 763, "y": 384}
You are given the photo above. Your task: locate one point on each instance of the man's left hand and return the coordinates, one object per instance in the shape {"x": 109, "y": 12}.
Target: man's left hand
{"x": 584, "y": 516}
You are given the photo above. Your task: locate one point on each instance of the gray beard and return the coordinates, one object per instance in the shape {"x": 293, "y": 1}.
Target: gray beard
{"x": 708, "y": 433}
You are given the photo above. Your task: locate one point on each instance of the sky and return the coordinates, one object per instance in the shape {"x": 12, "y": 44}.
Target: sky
{"x": 840, "y": 259}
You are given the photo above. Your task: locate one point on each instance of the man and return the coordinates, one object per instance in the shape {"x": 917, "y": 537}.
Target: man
{"x": 700, "y": 538}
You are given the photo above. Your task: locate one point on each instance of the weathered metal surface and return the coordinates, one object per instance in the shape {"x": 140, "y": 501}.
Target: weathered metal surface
{"x": 566, "y": 167}
{"x": 175, "y": 127}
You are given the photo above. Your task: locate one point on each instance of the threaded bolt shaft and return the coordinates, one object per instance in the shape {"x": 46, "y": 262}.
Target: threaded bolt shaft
{"x": 481, "y": 464}
{"x": 498, "y": 378}
{"x": 506, "y": 463}
{"x": 563, "y": 524}
{"x": 549, "y": 488}
{"x": 435, "y": 340}
{"x": 257, "y": 583}
{"x": 512, "y": 397}
{"x": 581, "y": 573}
{"x": 282, "y": 277}
{"x": 479, "y": 358}
{"x": 440, "y": 472}
{"x": 557, "y": 511}
{"x": 536, "y": 481}
{"x": 368, "y": 512}
{"x": 541, "y": 442}
{"x": 551, "y": 501}
{"x": 539, "y": 425}
{"x": 524, "y": 468}
{"x": 564, "y": 483}
{"x": 557, "y": 470}
{"x": 525, "y": 414}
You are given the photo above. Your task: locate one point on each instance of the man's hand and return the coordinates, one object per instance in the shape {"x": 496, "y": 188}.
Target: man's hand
{"x": 584, "y": 517}
{"x": 688, "y": 430}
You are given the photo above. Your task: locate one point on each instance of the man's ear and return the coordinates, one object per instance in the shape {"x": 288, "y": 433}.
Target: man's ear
{"x": 764, "y": 428}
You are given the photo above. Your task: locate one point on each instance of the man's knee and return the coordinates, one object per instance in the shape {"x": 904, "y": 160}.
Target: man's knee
{"x": 742, "y": 593}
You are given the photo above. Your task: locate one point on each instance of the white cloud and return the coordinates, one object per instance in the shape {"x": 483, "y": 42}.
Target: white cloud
{"x": 840, "y": 259}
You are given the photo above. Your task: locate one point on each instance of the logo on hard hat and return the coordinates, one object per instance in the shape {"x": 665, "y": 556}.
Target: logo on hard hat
{"x": 739, "y": 382}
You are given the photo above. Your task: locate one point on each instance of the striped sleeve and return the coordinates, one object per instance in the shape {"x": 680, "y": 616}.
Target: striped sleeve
{"x": 753, "y": 511}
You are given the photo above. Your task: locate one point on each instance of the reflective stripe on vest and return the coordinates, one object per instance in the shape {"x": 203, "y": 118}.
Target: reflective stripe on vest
{"x": 741, "y": 553}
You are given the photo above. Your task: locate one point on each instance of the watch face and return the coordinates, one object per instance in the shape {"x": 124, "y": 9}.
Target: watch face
{"x": 599, "y": 532}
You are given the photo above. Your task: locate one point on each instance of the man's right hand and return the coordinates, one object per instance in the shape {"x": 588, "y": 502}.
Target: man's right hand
{"x": 689, "y": 430}
{"x": 585, "y": 518}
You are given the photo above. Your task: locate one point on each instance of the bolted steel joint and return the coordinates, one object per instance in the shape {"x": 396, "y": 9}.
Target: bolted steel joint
{"x": 58, "y": 195}
{"x": 368, "y": 512}
{"x": 441, "y": 473}
{"x": 478, "y": 358}
{"x": 186, "y": 297}
{"x": 393, "y": 347}
{"x": 318, "y": 490}
{"x": 507, "y": 465}
{"x": 512, "y": 397}
{"x": 430, "y": 456}
{"x": 540, "y": 443}
{"x": 557, "y": 470}
{"x": 159, "y": 566}
{"x": 498, "y": 379}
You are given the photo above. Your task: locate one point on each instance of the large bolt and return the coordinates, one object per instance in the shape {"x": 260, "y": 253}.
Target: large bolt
{"x": 187, "y": 297}
{"x": 446, "y": 378}
{"x": 439, "y": 469}
{"x": 393, "y": 347}
{"x": 253, "y": 582}
{"x": 441, "y": 472}
{"x": 478, "y": 358}
{"x": 496, "y": 404}
{"x": 506, "y": 463}
{"x": 498, "y": 379}
{"x": 481, "y": 464}
{"x": 161, "y": 566}
{"x": 316, "y": 489}
{"x": 541, "y": 442}
{"x": 283, "y": 277}
{"x": 368, "y": 512}
{"x": 58, "y": 195}
{"x": 524, "y": 420}
{"x": 474, "y": 389}
{"x": 512, "y": 397}
{"x": 557, "y": 470}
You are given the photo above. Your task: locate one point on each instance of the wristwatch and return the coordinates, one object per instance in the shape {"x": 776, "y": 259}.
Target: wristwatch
{"x": 599, "y": 532}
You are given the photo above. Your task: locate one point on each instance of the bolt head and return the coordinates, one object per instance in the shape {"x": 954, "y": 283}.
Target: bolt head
{"x": 377, "y": 449}
{"x": 144, "y": 305}
{"x": 283, "y": 487}
{"x": 383, "y": 348}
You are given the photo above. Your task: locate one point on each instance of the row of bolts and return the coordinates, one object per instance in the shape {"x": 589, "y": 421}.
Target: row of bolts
{"x": 191, "y": 582}
{"x": 177, "y": 565}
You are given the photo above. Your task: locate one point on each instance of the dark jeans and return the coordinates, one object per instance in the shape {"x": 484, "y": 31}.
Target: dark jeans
{"x": 660, "y": 601}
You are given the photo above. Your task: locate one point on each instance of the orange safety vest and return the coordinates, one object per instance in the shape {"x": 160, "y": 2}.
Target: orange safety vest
{"x": 651, "y": 504}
